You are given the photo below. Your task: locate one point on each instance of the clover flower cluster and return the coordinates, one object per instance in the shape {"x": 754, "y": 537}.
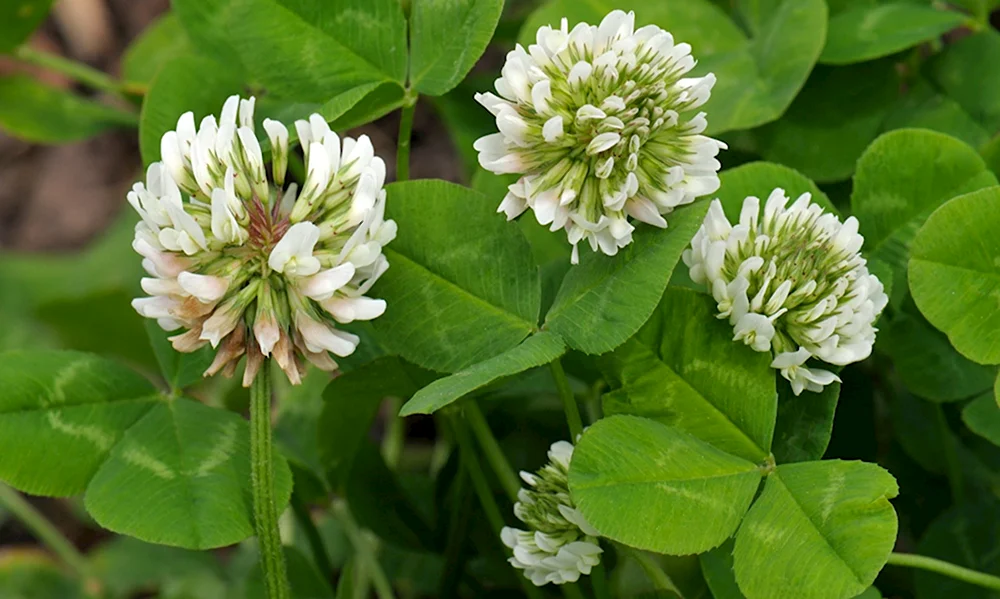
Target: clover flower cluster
{"x": 594, "y": 121}
{"x": 250, "y": 265}
{"x": 559, "y": 545}
{"x": 791, "y": 281}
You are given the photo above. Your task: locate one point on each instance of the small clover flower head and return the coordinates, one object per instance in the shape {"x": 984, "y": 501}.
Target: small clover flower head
{"x": 249, "y": 265}
{"x": 559, "y": 545}
{"x": 596, "y": 120}
{"x": 791, "y": 281}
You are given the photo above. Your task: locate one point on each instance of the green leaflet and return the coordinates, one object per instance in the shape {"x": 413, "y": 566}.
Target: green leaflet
{"x": 955, "y": 273}
{"x": 683, "y": 369}
{"x": 445, "y": 311}
{"x": 867, "y": 32}
{"x": 536, "y": 350}
{"x": 169, "y": 471}
{"x": 447, "y": 37}
{"x": 903, "y": 177}
{"x": 819, "y": 530}
{"x": 629, "y": 473}
{"x": 604, "y": 300}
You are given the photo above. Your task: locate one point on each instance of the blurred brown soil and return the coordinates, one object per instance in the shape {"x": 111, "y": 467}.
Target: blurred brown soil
{"x": 57, "y": 198}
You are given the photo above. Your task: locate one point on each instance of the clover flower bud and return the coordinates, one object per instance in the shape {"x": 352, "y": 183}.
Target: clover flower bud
{"x": 251, "y": 266}
{"x": 595, "y": 121}
{"x": 791, "y": 281}
{"x": 559, "y": 544}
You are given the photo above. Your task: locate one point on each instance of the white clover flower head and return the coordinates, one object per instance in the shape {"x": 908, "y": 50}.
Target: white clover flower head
{"x": 559, "y": 544}
{"x": 243, "y": 262}
{"x": 595, "y": 120}
{"x": 791, "y": 281}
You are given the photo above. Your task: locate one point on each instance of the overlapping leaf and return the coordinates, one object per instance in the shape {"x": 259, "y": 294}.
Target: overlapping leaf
{"x": 164, "y": 470}
{"x": 462, "y": 286}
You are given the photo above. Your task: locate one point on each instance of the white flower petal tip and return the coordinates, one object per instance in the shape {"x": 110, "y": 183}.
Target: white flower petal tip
{"x": 240, "y": 261}
{"x": 821, "y": 303}
{"x": 600, "y": 121}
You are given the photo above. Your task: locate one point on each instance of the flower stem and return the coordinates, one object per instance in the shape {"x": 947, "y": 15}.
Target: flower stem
{"x": 491, "y": 448}
{"x": 265, "y": 509}
{"x": 44, "y": 531}
{"x": 955, "y": 479}
{"x": 403, "y": 143}
{"x": 78, "y": 71}
{"x": 395, "y": 435}
{"x": 908, "y": 560}
{"x": 316, "y": 545}
{"x": 482, "y": 487}
{"x": 661, "y": 581}
{"x": 363, "y": 551}
{"x": 568, "y": 399}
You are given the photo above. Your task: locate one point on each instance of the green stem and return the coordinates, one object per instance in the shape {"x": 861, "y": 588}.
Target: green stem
{"x": 77, "y": 71}
{"x": 458, "y": 530}
{"x": 403, "y": 143}
{"x": 316, "y": 545}
{"x": 395, "y": 435}
{"x": 568, "y": 399}
{"x": 363, "y": 551}
{"x": 908, "y": 560}
{"x": 44, "y": 530}
{"x": 482, "y": 487}
{"x": 599, "y": 581}
{"x": 491, "y": 448}
{"x": 661, "y": 581}
{"x": 955, "y": 478}
{"x": 272, "y": 557}
{"x": 571, "y": 591}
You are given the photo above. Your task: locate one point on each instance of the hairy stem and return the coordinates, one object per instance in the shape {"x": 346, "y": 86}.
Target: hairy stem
{"x": 403, "y": 143}
{"x": 491, "y": 448}
{"x": 908, "y": 560}
{"x": 44, "y": 530}
{"x": 363, "y": 551}
{"x": 272, "y": 558}
{"x": 569, "y": 400}
{"x": 395, "y": 435}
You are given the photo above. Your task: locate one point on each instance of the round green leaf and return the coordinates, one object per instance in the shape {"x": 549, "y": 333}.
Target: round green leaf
{"x": 36, "y": 112}
{"x": 683, "y": 370}
{"x": 903, "y": 177}
{"x": 759, "y": 179}
{"x": 955, "y": 273}
{"x": 926, "y": 363}
{"x": 757, "y": 77}
{"x": 982, "y": 416}
{"x": 820, "y": 530}
{"x": 164, "y": 470}
{"x": 965, "y": 535}
{"x": 605, "y": 299}
{"x": 445, "y": 310}
{"x": 447, "y": 37}
{"x": 868, "y": 32}
{"x": 831, "y": 122}
{"x": 654, "y": 487}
